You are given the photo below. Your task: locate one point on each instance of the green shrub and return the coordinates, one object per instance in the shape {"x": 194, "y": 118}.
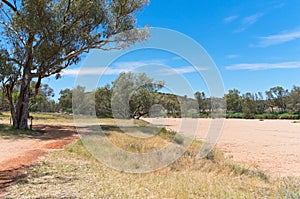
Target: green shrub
{"x": 178, "y": 139}
{"x": 235, "y": 115}
{"x": 289, "y": 116}
{"x": 171, "y": 135}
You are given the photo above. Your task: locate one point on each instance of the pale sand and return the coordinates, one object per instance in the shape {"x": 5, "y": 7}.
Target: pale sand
{"x": 272, "y": 145}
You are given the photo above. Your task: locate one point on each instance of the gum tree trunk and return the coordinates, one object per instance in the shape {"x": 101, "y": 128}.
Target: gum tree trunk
{"x": 21, "y": 109}
{"x": 20, "y": 118}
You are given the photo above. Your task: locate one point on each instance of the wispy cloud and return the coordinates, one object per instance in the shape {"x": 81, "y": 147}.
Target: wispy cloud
{"x": 120, "y": 67}
{"x": 231, "y": 56}
{"x": 230, "y": 19}
{"x": 182, "y": 70}
{"x": 279, "y": 5}
{"x": 264, "y": 66}
{"x": 279, "y": 38}
{"x": 93, "y": 71}
{"x": 115, "y": 69}
{"x": 136, "y": 64}
{"x": 248, "y": 21}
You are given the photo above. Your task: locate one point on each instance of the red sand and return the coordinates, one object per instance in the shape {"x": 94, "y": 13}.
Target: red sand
{"x": 16, "y": 154}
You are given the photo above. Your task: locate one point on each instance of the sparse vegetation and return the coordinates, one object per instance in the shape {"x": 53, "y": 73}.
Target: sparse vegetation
{"x": 7, "y": 131}
{"x": 74, "y": 173}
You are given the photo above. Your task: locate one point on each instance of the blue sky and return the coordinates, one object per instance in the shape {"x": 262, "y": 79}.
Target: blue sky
{"x": 254, "y": 44}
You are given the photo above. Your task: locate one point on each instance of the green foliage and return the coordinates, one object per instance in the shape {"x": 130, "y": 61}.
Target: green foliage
{"x": 133, "y": 95}
{"x": 235, "y": 115}
{"x": 233, "y": 101}
{"x": 289, "y": 116}
{"x": 4, "y": 104}
{"x": 293, "y": 100}
{"x": 276, "y": 96}
{"x": 240, "y": 169}
{"x": 44, "y": 37}
{"x": 65, "y": 100}
{"x": 249, "y": 107}
{"x": 264, "y": 116}
{"x": 42, "y": 101}
{"x": 171, "y": 135}
{"x": 103, "y": 101}
{"x": 83, "y": 102}
{"x": 202, "y": 102}
{"x": 171, "y": 103}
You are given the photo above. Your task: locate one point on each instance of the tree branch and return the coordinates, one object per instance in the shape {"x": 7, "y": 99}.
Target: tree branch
{"x": 11, "y": 6}
{"x": 14, "y": 31}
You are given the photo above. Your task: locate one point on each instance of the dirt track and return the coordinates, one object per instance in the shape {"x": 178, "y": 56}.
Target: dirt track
{"x": 17, "y": 153}
{"x": 273, "y": 145}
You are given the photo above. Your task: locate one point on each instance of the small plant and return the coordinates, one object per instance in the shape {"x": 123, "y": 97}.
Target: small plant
{"x": 206, "y": 152}
{"x": 178, "y": 139}
{"x": 290, "y": 188}
{"x": 240, "y": 169}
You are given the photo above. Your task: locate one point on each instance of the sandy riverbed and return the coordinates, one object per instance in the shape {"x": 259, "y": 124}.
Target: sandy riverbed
{"x": 273, "y": 145}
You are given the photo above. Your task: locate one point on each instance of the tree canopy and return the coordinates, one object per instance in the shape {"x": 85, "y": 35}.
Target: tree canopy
{"x": 40, "y": 38}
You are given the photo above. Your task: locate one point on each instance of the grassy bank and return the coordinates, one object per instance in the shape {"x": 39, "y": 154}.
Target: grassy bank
{"x": 74, "y": 173}
{"x": 283, "y": 116}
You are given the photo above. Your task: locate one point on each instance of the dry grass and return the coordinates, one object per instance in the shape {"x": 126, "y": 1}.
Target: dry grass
{"x": 42, "y": 118}
{"x": 74, "y": 173}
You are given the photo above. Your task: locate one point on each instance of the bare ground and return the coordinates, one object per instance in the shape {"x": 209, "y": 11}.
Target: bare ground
{"x": 272, "y": 145}
{"x": 17, "y": 153}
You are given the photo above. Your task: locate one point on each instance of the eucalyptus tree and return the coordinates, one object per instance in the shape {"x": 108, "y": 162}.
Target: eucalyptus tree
{"x": 40, "y": 38}
{"x": 233, "y": 101}
{"x": 293, "y": 102}
{"x": 202, "y": 102}
{"x": 133, "y": 95}
{"x": 249, "y": 106}
{"x": 277, "y": 96}
{"x": 103, "y": 101}
{"x": 43, "y": 102}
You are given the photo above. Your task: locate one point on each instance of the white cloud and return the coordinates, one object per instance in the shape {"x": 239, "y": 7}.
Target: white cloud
{"x": 264, "y": 66}
{"x": 136, "y": 64}
{"x": 182, "y": 70}
{"x": 93, "y": 71}
{"x": 231, "y": 56}
{"x": 115, "y": 69}
{"x": 125, "y": 68}
{"x": 276, "y": 39}
{"x": 248, "y": 21}
{"x": 230, "y": 19}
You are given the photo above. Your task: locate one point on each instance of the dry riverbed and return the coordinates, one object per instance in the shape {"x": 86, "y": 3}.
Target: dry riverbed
{"x": 272, "y": 145}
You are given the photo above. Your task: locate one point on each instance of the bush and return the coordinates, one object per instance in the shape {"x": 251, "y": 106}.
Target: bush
{"x": 289, "y": 116}
{"x": 270, "y": 116}
{"x": 249, "y": 116}
{"x": 235, "y": 115}
{"x": 178, "y": 139}
{"x": 171, "y": 135}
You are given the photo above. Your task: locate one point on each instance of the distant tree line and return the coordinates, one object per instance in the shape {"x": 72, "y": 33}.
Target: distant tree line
{"x": 275, "y": 103}
{"x": 137, "y": 95}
